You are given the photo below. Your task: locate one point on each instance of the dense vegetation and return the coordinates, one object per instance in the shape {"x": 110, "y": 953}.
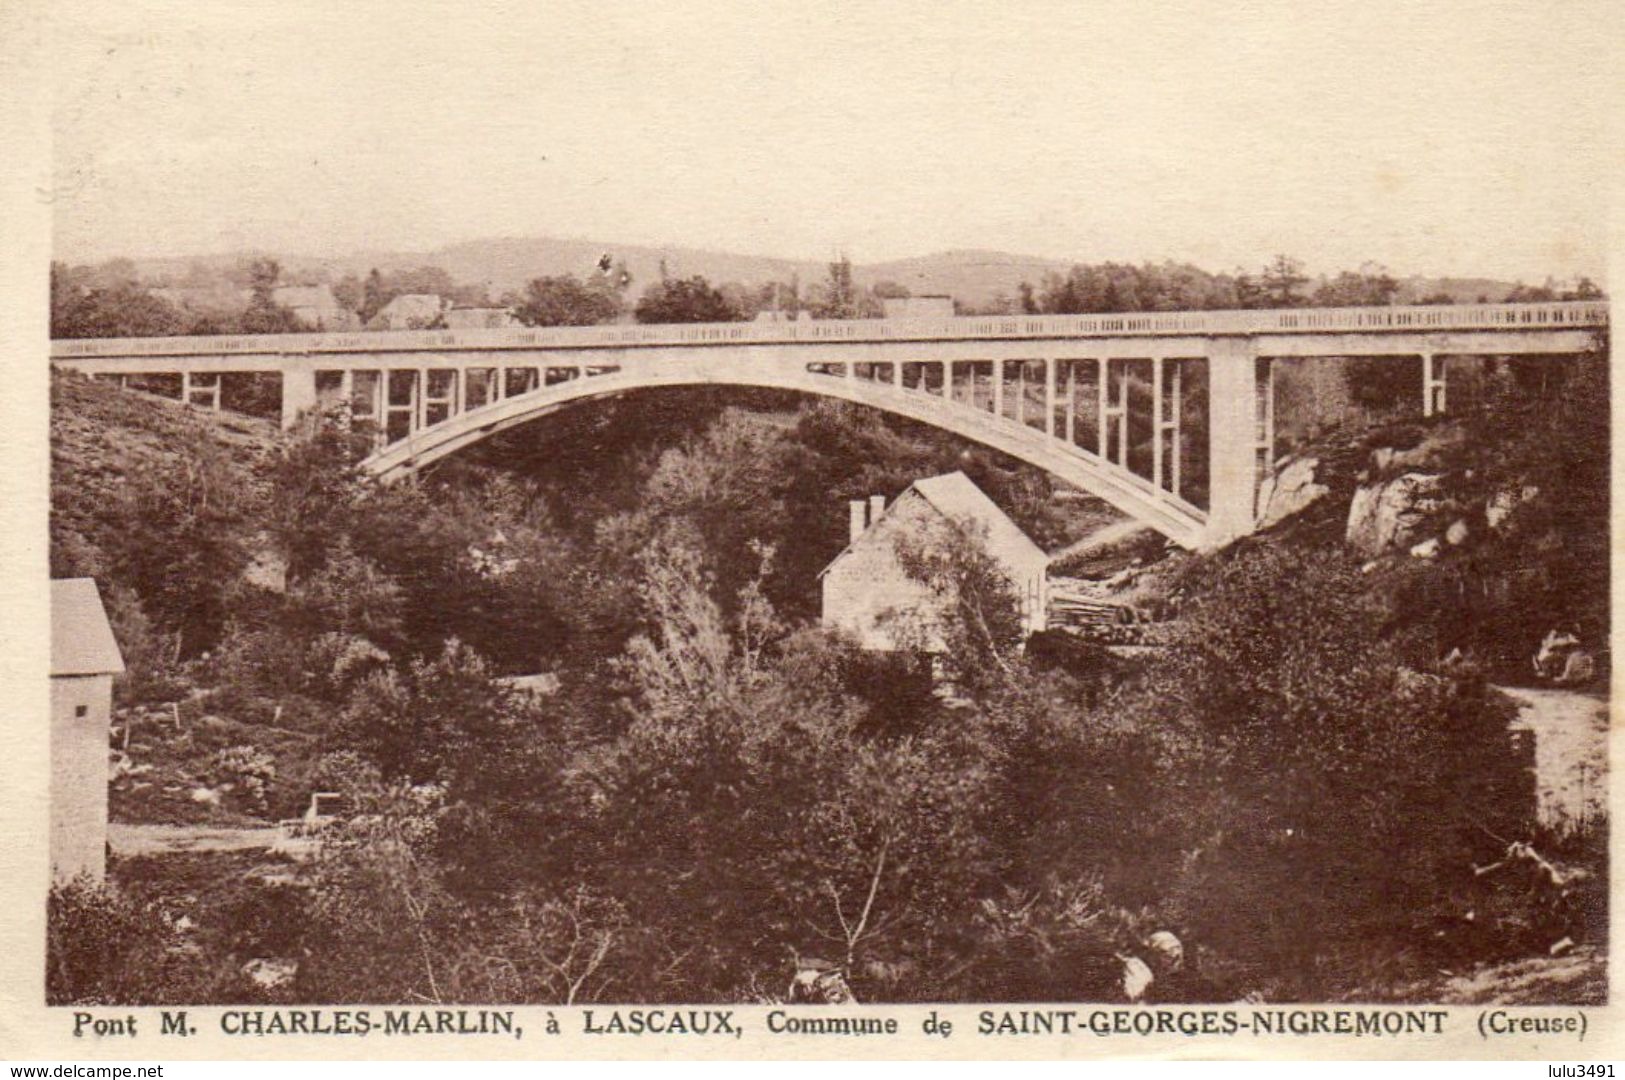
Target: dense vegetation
{"x": 717, "y": 789}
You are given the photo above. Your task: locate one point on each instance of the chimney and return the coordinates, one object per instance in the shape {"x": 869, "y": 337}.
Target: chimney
{"x": 877, "y": 506}
{"x": 857, "y": 509}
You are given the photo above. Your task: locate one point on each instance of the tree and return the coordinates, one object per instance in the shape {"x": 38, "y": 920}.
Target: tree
{"x": 685, "y": 300}
{"x": 840, "y": 297}
{"x": 1029, "y": 300}
{"x": 375, "y": 295}
{"x": 87, "y": 303}
{"x": 564, "y": 301}
{"x": 1281, "y": 281}
{"x": 349, "y": 292}
{"x": 1531, "y": 294}
{"x": 264, "y": 314}
{"x": 179, "y": 545}
{"x": 1368, "y": 288}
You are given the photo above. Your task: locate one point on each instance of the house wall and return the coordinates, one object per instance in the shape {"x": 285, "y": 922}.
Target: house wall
{"x": 868, "y": 594}
{"x": 79, "y": 774}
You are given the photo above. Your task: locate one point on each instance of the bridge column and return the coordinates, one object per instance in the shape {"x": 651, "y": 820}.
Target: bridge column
{"x": 1103, "y": 370}
{"x": 1171, "y": 422}
{"x": 998, "y": 388}
{"x": 1156, "y": 422}
{"x": 1433, "y": 386}
{"x": 298, "y": 389}
{"x": 1049, "y": 398}
{"x": 1071, "y": 402}
{"x": 1233, "y": 438}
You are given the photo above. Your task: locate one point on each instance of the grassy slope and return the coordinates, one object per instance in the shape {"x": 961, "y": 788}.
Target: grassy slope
{"x": 102, "y": 436}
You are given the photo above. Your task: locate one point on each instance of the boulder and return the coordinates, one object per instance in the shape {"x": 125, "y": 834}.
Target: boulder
{"x": 1563, "y": 660}
{"x": 1391, "y": 513}
{"x": 1167, "y": 950}
{"x": 1288, "y": 490}
{"x": 1427, "y": 549}
{"x": 819, "y": 982}
{"x": 1137, "y": 978}
{"x": 1457, "y": 534}
{"x": 271, "y": 974}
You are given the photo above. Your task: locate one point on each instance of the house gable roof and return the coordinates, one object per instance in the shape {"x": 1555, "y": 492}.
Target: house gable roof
{"x": 956, "y": 497}
{"x": 82, "y": 641}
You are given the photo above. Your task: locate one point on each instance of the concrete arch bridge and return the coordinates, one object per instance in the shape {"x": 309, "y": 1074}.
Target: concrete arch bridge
{"x": 1167, "y": 416}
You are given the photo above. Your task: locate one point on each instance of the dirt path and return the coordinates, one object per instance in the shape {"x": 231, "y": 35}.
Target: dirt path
{"x": 1571, "y": 751}
{"x": 127, "y": 840}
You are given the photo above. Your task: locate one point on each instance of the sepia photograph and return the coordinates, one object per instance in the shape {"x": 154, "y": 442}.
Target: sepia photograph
{"x": 1074, "y": 511}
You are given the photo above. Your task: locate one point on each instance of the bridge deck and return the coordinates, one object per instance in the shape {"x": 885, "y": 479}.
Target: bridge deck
{"x": 1574, "y": 315}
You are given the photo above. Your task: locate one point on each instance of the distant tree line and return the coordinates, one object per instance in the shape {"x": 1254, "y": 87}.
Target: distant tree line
{"x": 112, "y": 300}
{"x": 1283, "y": 283}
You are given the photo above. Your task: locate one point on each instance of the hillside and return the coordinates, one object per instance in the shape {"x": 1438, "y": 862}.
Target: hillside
{"x": 972, "y": 277}
{"x": 105, "y": 440}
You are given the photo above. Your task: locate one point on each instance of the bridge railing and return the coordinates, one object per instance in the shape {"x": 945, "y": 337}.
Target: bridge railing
{"x": 1560, "y": 315}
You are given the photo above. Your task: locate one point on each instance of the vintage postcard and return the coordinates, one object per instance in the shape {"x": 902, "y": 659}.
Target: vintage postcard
{"x": 1061, "y": 530}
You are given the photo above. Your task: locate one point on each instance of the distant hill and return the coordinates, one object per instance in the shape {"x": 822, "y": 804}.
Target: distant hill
{"x": 972, "y": 277}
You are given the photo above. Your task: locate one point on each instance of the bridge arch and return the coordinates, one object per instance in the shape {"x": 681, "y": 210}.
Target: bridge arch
{"x": 1127, "y": 492}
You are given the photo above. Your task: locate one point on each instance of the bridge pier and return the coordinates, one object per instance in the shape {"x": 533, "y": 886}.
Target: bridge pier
{"x": 1235, "y": 424}
{"x": 298, "y": 388}
{"x": 1049, "y": 398}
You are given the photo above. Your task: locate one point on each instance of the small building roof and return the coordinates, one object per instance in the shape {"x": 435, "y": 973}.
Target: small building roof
{"x": 82, "y": 641}
{"x": 956, "y": 497}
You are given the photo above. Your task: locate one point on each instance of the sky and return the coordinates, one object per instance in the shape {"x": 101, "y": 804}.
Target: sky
{"x": 1467, "y": 139}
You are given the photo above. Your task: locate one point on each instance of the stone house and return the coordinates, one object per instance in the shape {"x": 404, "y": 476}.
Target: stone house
{"x": 868, "y": 593}
{"x": 84, "y": 658}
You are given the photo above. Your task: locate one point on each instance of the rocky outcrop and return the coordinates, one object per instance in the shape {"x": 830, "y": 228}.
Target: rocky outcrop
{"x": 271, "y": 973}
{"x": 1288, "y": 490}
{"x": 1393, "y": 513}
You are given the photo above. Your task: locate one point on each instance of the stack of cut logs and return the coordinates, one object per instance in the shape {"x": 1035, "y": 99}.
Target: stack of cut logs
{"x": 1076, "y": 604}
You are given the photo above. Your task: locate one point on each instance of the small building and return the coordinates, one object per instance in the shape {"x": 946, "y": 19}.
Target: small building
{"x": 410, "y": 311}
{"x": 868, "y": 593}
{"x": 84, "y": 658}
{"x": 919, "y": 307}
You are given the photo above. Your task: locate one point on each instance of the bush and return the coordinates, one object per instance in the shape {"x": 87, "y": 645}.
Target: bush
{"x": 103, "y": 948}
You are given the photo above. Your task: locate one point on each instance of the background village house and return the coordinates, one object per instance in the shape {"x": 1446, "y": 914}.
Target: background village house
{"x": 868, "y": 593}
{"x": 411, "y": 311}
{"x": 84, "y": 658}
